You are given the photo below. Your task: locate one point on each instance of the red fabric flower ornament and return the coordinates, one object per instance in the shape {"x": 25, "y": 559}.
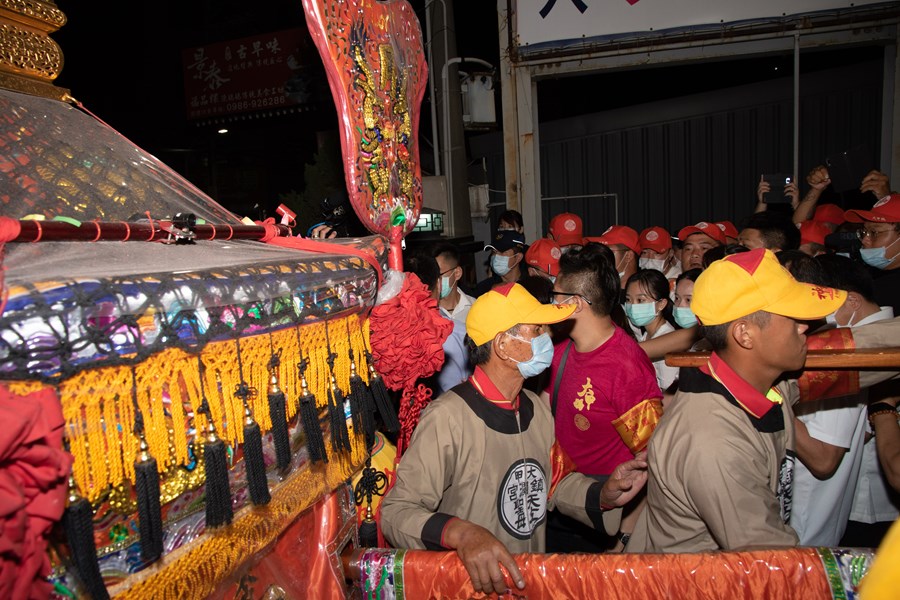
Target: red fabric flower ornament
{"x": 33, "y": 473}
{"x": 408, "y": 335}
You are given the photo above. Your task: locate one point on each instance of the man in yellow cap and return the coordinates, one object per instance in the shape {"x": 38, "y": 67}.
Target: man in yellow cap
{"x": 483, "y": 466}
{"x": 721, "y": 461}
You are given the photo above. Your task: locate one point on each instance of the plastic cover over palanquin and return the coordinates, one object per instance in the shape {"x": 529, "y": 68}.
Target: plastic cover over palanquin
{"x": 77, "y": 305}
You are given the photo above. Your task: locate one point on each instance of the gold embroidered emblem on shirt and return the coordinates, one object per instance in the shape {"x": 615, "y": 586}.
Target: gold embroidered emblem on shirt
{"x": 581, "y": 422}
{"x": 585, "y": 397}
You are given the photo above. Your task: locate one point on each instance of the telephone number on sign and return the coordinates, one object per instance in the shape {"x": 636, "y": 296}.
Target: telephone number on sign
{"x": 256, "y": 103}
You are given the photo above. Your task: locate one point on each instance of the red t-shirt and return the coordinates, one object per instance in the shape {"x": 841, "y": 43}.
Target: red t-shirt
{"x": 596, "y": 388}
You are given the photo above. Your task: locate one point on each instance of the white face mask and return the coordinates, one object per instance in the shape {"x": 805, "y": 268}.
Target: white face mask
{"x": 625, "y": 260}
{"x": 832, "y": 319}
{"x": 658, "y": 264}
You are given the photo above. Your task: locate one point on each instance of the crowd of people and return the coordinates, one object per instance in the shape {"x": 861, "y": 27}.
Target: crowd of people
{"x": 558, "y": 426}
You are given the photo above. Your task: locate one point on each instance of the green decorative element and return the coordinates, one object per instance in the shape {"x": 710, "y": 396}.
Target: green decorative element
{"x": 201, "y": 221}
{"x": 68, "y": 220}
{"x": 398, "y": 574}
{"x": 62, "y": 590}
{"x": 859, "y": 566}
{"x": 833, "y": 573}
{"x": 118, "y": 533}
{"x": 398, "y": 216}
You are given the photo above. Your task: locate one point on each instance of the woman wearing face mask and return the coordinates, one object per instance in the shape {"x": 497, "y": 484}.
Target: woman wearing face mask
{"x": 649, "y": 311}
{"x": 684, "y": 291}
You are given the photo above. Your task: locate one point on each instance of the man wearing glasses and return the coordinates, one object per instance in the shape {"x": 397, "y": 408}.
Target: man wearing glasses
{"x": 880, "y": 237}
{"x": 602, "y": 386}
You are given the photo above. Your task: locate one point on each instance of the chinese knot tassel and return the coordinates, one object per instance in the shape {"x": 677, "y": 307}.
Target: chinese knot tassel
{"x": 78, "y": 523}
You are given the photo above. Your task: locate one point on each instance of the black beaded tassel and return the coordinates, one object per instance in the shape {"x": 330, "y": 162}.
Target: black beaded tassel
{"x": 361, "y": 396}
{"x": 78, "y": 522}
{"x": 278, "y": 416}
{"x": 382, "y": 400}
{"x": 340, "y": 437}
{"x": 254, "y": 464}
{"x": 146, "y": 484}
{"x": 309, "y": 416}
{"x": 218, "y": 490}
{"x": 219, "y": 510}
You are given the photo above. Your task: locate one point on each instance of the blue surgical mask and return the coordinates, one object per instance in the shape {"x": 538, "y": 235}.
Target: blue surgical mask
{"x": 875, "y": 257}
{"x": 541, "y": 356}
{"x": 500, "y": 264}
{"x": 640, "y": 314}
{"x": 684, "y": 316}
{"x": 446, "y": 286}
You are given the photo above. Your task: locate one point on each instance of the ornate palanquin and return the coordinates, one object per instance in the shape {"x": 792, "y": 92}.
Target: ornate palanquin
{"x": 148, "y": 347}
{"x": 163, "y": 348}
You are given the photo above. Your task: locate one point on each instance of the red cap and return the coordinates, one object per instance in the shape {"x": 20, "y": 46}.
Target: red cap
{"x": 886, "y": 210}
{"x": 710, "y": 229}
{"x": 620, "y": 234}
{"x": 544, "y": 255}
{"x": 829, "y": 213}
{"x": 656, "y": 239}
{"x": 566, "y": 229}
{"x": 728, "y": 229}
{"x": 813, "y": 232}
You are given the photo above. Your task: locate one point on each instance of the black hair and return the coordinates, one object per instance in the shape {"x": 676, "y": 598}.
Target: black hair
{"x": 425, "y": 267}
{"x": 846, "y": 274}
{"x": 446, "y": 249}
{"x": 720, "y": 252}
{"x": 777, "y": 231}
{"x": 538, "y": 286}
{"x": 513, "y": 217}
{"x": 592, "y": 270}
{"x": 479, "y": 355}
{"x": 691, "y": 274}
{"x": 654, "y": 283}
{"x": 803, "y": 267}
{"x": 717, "y": 335}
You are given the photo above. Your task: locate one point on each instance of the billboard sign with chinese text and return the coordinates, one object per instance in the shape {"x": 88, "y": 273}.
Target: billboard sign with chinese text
{"x": 258, "y": 73}
{"x": 552, "y": 23}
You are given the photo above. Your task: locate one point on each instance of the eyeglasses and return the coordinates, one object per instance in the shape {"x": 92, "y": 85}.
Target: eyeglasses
{"x": 449, "y": 270}
{"x": 872, "y": 234}
{"x": 571, "y": 294}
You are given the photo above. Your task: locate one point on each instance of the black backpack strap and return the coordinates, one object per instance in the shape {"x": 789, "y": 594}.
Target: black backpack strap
{"x": 558, "y": 380}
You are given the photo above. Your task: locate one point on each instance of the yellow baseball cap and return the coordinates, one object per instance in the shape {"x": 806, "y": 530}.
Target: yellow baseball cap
{"x": 743, "y": 283}
{"x": 507, "y": 305}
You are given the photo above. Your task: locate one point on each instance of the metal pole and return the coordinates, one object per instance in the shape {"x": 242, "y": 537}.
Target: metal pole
{"x": 435, "y": 136}
{"x": 796, "y": 173}
{"x": 446, "y": 93}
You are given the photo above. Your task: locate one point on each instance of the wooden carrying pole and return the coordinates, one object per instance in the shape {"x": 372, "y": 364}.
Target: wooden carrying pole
{"x": 876, "y": 358}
